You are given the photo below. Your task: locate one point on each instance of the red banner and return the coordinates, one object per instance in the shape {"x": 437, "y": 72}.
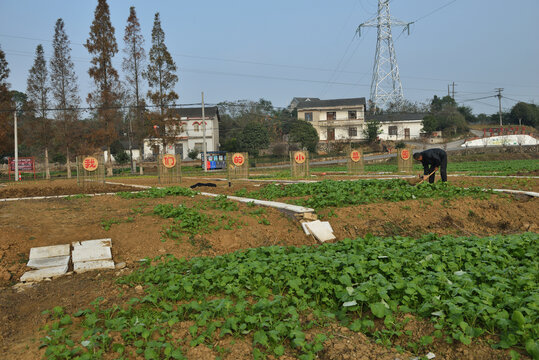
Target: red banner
{"x": 25, "y": 164}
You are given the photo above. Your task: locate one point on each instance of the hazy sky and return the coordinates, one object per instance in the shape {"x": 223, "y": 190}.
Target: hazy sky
{"x": 277, "y": 49}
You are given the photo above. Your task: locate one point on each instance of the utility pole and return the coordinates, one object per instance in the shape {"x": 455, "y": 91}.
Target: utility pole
{"x": 204, "y": 136}
{"x": 129, "y": 137}
{"x": 453, "y": 90}
{"x": 500, "y": 103}
{"x": 16, "y": 147}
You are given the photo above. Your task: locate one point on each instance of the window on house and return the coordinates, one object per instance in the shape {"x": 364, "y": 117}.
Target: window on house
{"x": 331, "y": 115}
{"x": 308, "y": 116}
{"x": 352, "y": 115}
{"x": 196, "y": 126}
{"x": 392, "y": 130}
{"x": 352, "y": 131}
{"x": 198, "y": 147}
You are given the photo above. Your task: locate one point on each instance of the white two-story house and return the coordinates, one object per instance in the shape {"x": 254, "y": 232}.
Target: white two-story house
{"x": 190, "y": 135}
{"x": 337, "y": 119}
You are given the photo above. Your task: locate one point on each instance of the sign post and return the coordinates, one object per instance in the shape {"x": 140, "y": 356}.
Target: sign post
{"x": 237, "y": 165}
{"x": 404, "y": 160}
{"x": 355, "y": 162}
{"x": 299, "y": 164}
{"x": 169, "y": 169}
{"x": 90, "y": 169}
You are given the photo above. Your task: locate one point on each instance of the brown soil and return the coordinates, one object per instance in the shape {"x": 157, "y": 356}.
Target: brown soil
{"x": 136, "y": 234}
{"x": 55, "y": 187}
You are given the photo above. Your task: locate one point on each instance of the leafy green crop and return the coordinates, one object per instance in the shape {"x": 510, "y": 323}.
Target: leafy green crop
{"x": 492, "y": 167}
{"x": 158, "y": 193}
{"x": 344, "y": 193}
{"x": 186, "y": 220}
{"x": 467, "y": 286}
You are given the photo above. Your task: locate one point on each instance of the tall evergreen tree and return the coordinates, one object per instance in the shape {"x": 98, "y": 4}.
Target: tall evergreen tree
{"x": 64, "y": 91}
{"x": 6, "y": 118}
{"x": 37, "y": 91}
{"x": 162, "y": 78}
{"x": 133, "y": 64}
{"x": 102, "y": 45}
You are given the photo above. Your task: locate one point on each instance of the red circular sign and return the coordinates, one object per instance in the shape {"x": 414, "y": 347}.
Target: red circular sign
{"x": 355, "y": 155}
{"x": 169, "y": 161}
{"x": 238, "y": 159}
{"x": 299, "y": 157}
{"x": 89, "y": 163}
{"x": 405, "y": 154}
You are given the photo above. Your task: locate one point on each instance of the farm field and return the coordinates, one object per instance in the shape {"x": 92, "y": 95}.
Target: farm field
{"x": 448, "y": 269}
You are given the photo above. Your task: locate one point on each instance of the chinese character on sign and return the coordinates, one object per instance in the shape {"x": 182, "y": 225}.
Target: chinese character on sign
{"x": 355, "y": 155}
{"x": 299, "y": 157}
{"x": 169, "y": 161}
{"x": 238, "y": 159}
{"x": 89, "y": 163}
{"x": 405, "y": 154}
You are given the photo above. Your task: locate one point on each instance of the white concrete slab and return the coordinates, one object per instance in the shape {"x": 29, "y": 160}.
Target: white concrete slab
{"x": 94, "y": 243}
{"x": 39, "y": 275}
{"x": 49, "y": 251}
{"x": 91, "y": 253}
{"x": 43, "y": 263}
{"x": 274, "y": 204}
{"x": 83, "y": 266}
{"x": 529, "y": 193}
{"x": 321, "y": 230}
{"x": 305, "y": 229}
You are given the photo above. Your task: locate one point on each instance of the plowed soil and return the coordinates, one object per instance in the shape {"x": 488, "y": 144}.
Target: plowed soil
{"x": 136, "y": 233}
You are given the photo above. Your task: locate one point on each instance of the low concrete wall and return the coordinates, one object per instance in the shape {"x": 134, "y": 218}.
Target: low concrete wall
{"x": 497, "y": 150}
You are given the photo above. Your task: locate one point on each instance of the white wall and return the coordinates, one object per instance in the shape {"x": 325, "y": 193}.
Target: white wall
{"x": 136, "y": 155}
{"x": 188, "y": 138}
{"x": 415, "y": 127}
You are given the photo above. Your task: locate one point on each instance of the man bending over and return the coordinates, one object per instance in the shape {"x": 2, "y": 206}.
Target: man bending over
{"x": 432, "y": 160}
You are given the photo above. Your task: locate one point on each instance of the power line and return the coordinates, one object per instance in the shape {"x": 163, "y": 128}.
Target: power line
{"x": 433, "y": 11}
{"x": 508, "y": 98}
{"x": 117, "y": 60}
{"x": 116, "y": 107}
{"x": 481, "y": 98}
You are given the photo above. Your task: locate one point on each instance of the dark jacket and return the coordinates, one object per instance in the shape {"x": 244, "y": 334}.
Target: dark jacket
{"x": 433, "y": 158}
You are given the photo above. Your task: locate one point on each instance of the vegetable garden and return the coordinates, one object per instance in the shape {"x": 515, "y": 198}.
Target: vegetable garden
{"x": 417, "y": 270}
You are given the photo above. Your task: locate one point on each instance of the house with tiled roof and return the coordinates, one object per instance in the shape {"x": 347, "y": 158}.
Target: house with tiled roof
{"x": 335, "y": 119}
{"x": 399, "y": 126}
{"x": 188, "y": 125}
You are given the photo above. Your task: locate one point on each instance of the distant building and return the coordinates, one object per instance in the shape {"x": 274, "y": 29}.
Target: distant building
{"x": 190, "y": 136}
{"x": 399, "y": 126}
{"x": 337, "y": 119}
{"x": 295, "y": 101}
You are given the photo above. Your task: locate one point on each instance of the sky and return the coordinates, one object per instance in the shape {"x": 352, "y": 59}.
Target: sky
{"x": 280, "y": 49}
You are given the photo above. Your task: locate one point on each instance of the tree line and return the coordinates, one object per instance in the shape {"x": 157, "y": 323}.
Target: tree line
{"x": 50, "y": 110}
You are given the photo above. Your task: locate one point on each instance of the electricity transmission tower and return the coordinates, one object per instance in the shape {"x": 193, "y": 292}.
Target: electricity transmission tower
{"x": 386, "y": 85}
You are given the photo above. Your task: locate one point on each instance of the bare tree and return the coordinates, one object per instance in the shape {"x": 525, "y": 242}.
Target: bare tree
{"x": 162, "y": 78}
{"x": 105, "y": 98}
{"x": 64, "y": 91}
{"x": 37, "y": 90}
{"x": 133, "y": 64}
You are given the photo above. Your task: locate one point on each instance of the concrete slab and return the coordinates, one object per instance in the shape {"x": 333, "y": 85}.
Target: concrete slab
{"x": 83, "y": 266}
{"x": 49, "y": 251}
{"x": 43, "y": 263}
{"x": 274, "y": 204}
{"x": 321, "y": 230}
{"x": 91, "y": 253}
{"x": 95, "y": 243}
{"x": 304, "y": 226}
{"x": 39, "y": 275}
